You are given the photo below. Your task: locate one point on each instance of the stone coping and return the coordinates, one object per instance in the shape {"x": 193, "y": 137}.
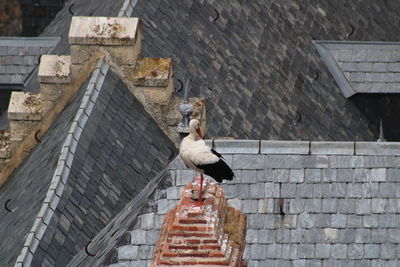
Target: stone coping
{"x": 61, "y": 174}
{"x": 271, "y": 147}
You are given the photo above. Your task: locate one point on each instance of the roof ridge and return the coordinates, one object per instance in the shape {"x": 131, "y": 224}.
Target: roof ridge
{"x": 62, "y": 170}
{"x": 271, "y": 147}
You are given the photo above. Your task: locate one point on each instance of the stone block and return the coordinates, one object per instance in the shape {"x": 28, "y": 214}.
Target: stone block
{"x": 332, "y": 148}
{"x": 103, "y": 30}
{"x": 152, "y": 72}
{"x": 377, "y": 148}
{"x": 284, "y": 147}
{"x": 237, "y": 146}
{"x": 283, "y": 161}
{"x": 24, "y": 106}
{"x": 54, "y": 69}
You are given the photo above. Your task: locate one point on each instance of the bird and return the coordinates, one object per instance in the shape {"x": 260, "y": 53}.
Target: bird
{"x": 198, "y": 156}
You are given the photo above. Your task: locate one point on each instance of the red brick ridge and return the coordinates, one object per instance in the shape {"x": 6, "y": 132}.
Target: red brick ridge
{"x": 209, "y": 235}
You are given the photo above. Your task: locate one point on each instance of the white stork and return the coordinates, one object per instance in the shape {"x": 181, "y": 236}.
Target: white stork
{"x": 198, "y": 156}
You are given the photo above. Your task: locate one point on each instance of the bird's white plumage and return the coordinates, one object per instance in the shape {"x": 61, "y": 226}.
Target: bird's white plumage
{"x": 194, "y": 151}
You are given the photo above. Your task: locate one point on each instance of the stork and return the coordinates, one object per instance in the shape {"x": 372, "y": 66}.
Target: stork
{"x": 198, "y": 156}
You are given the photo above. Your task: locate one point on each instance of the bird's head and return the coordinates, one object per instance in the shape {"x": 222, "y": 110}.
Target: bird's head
{"x": 194, "y": 126}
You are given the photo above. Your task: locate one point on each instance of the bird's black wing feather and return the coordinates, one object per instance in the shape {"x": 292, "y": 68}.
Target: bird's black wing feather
{"x": 218, "y": 170}
{"x": 216, "y": 153}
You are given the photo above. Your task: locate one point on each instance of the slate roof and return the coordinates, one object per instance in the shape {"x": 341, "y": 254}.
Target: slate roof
{"x": 256, "y": 64}
{"x": 106, "y": 156}
{"x": 26, "y": 188}
{"x": 339, "y": 206}
{"x": 363, "y": 67}
{"x": 19, "y": 57}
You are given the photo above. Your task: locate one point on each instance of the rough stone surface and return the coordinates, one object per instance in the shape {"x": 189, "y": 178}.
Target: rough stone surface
{"x": 103, "y": 31}
{"x": 55, "y": 69}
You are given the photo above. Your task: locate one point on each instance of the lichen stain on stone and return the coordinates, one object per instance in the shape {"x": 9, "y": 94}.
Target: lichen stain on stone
{"x": 112, "y": 29}
{"x": 152, "y": 68}
{"x": 4, "y": 138}
{"x": 58, "y": 68}
{"x": 32, "y": 102}
{"x": 235, "y": 223}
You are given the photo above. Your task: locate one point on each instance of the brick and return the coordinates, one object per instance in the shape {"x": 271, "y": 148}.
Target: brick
{"x": 258, "y": 252}
{"x": 378, "y": 175}
{"x": 289, "y": 251}
{"x": 272, "y": 190}
{"x": 128, "y": 252}
{"x": 329, "y": 175}
{"x": 280, "y": 175}
{"x": 305, "y": 220}
{"x": 355, "y": 251}
{"x": 313, "y": 205}
{"x": 257, "y": 191}
{"x": 267, "y": 236}
{"x": 283, "y": 161}
{"x": 363, "y": 206}
{"x": 378, "y": 205}
{"x": 249, "y": 176}
{"x": 315, "y": 161}
{"x": 338, "y": 220}
{"x": 296, "y": 176}
{"x": 387, "y": 190}
{"x": 313, "y": 175}
{"x": 266, "y": 205}
{"x": 237, "y": 146}
{"x": 354, "y": 190}
{"x": 388, "y": 220}
{"x": 392, "y": 175}
{"x": 339, "y": 251}
{"x": 346, "y": 161}
{"x": 354, "y": 221}
{"x": 379, "y": 235}
{"x": 285, "y": 147}
{"x": 138, "y": 237}
{"x": 256, "y": 221}
{"x": 332, "y": 148}
{"x": 370, "y": 221}
{"x": 274, "y": 251}
{"x": 305, "y": 190}
{"x": 362, "y": 175}
{"x": 249, "y": 206}
{"x": 329, "y": 205}
{"x": 252, "y": 236}
{"x": 371, "y": 251}
{"x": 322, "y": 251}
{"x": 243, "y": 191}
{"x": 288, "y": 190}
{"x": 345, "y": 175}
{"x": 248, "y": 162}
{"x": 362, "y": 236}
{"x": 305, "y": 251}
{"x": 388, "y": 251}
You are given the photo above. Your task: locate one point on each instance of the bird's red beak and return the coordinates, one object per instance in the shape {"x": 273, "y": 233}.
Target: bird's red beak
{"x": 199, "y": 133}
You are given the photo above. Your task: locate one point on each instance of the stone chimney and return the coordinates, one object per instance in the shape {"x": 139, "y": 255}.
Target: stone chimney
{"x": 119, "y": 38}
{"x": 54, "y": 72}
{"x": 212, "y": 234}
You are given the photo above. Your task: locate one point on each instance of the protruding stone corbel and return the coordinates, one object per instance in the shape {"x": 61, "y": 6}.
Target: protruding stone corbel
{"x": 24, "y": 112}
{"x": 119, "y": 37}
{"x": 152, "y": 79}
{"x": 5, "y": 152}
{"x": 54, "y": 72}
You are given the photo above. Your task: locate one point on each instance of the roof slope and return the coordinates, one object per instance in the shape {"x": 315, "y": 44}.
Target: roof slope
{"x": 115, "y": 151}
{"x": 19, "y": 57}
{"x": 363, "y": 67}
{"x": 308, "y": 204}
{"x": 254, "y": 62}
{"x": 26, "y": 188}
